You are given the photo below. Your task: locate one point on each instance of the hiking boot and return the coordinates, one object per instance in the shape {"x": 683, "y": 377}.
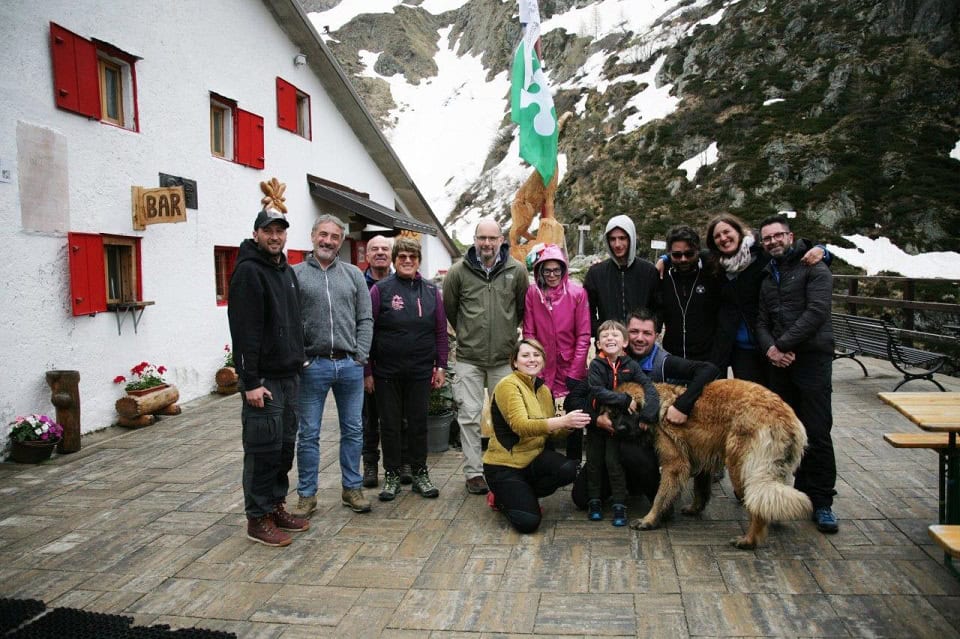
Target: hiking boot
{"x": 826, "y": 520}
{"x": 370, "y": 477}
{"x": 305, "y": 506}
{"x": 391, "y": 486}
{"x": 423, "y": 485}
{"x": 492, "y": 502}
{"x": 406, "y": 475}
{"x": 263, "y": 531}
{"x": 619, "y": 515}
{"x": 594, "y": 510}
{"x": 285, "y": 521}
{"x": 477, "y": 485}
{"x": 353, "y": 499}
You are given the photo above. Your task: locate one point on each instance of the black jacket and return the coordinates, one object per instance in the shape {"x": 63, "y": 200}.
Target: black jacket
{"x": 795, "y": 305}
{"x": 689, "y": 303}
{"x": 614, "y": 291}
{"x": 405, "y": 330}
{"x": 264, "y": 314}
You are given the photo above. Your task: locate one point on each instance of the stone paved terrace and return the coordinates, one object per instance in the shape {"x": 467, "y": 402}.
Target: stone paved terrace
{"x": 149, "y": 523}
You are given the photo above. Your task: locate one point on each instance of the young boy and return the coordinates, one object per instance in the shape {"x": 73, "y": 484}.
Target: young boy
{"x": 607, "y": 371}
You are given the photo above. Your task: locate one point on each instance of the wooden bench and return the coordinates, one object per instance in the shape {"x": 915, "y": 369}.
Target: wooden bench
{"x": 934, "y": 441}
{"x": 855, "y": 336}
{"x": 947, "y": 537}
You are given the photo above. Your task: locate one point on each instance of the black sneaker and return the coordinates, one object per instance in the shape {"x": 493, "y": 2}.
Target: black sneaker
{"x": 423, "y": 485}
{"x": 406, "y": 476}
{"x": 619, "y": 515}
{"x": 594, "y": 510}
{"x": 826, "y": 521}
{"x": 370, "y": 476}
{"x": 391, "y": 486}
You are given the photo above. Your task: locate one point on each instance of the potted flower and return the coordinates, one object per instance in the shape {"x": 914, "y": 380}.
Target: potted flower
{"x": 441, "y": 411}
{"x": 227, "y": 375}
{"x": 33, "y": 438}
{"x": 146, "y": 379}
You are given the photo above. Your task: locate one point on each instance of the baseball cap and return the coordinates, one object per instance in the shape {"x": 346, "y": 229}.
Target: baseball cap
{"x": 266, "y": 217}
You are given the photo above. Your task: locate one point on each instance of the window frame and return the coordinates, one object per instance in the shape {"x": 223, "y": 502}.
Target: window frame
{"x": 228, "y": 109}
{"x": 224, "y": 261}
{"x": 105, "y": 66}
{"x": 129, "y": 277}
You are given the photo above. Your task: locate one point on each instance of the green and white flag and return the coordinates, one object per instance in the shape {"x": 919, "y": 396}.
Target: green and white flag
{"x": 531, "y": 107}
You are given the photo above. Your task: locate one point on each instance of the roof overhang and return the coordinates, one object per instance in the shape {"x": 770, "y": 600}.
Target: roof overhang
{"x": 366, "y": 208}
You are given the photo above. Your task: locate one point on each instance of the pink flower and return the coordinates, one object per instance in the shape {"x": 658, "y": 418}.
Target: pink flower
{"x": 226, "y": 347}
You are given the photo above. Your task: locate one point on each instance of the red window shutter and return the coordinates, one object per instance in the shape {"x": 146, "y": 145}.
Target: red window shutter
{"x": 250, "y": 139}
{"x": 76, "y": 82}
{"x": 286, "y": 105}
{"x": 88, "y": 286}
{"x": 294, "y": 256}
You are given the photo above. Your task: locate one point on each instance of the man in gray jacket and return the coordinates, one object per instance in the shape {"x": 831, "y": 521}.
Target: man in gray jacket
{"x": 338, "y": 330}
{"x": 794, "y": 330}
{"x": 483, "y": 296}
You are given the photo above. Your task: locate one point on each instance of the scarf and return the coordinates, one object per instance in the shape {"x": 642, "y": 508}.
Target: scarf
{"x": 741, "y": 259}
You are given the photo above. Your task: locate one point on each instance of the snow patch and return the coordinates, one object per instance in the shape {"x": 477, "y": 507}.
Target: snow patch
{"x": 883, "y": 255}
{"x": 705, "y": 158}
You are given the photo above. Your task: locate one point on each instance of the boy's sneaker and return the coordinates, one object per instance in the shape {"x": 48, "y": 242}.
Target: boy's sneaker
{"x": 826, "y": 520}
{"x": 619, "y": 515}
{"x": 263, "y": 531}
{"x": 370, "y": 477}
{"x": 391, "y": 486}
{"x": 594, "y": 510}
{"x": 353, "y": 499}
{"x": 406, "y": 475}
{"x": 492, "y": 502}
{"x": 287, "y": 521}
{"x": 423, "y": 485}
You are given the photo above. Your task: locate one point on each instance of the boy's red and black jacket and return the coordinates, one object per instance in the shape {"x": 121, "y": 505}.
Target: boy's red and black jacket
{"x": 604, "y": 377}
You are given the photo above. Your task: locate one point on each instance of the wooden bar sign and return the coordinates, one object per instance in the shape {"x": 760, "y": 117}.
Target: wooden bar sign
{"x": 165, "y": 205}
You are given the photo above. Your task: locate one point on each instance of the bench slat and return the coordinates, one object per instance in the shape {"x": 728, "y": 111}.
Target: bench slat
{"x": 947, "y": 537}
{"x": 935, "y": 441}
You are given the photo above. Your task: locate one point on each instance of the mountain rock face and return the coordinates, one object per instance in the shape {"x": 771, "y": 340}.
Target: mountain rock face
{"x": 845, "y": 112}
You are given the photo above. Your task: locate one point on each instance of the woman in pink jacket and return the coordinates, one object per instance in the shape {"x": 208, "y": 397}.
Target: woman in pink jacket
{"x": 558, "y": 316}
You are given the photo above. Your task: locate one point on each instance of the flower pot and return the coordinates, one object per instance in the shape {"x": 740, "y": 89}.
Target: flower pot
{"x": 438, "y": 431}
{"x": 147, "y": 391}
{"x": 32, "y": 452}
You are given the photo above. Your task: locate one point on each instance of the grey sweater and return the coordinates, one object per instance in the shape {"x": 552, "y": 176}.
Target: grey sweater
{"x": 335, "y": 306}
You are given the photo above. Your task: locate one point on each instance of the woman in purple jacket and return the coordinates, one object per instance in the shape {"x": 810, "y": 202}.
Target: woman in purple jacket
{"x": 557, "y": 314}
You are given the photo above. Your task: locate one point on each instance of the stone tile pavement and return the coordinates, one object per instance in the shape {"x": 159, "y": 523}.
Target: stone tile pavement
{"x": 149, "y": 523}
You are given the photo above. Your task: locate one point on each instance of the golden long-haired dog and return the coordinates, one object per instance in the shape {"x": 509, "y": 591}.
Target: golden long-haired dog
{"x": 737, "y": 423}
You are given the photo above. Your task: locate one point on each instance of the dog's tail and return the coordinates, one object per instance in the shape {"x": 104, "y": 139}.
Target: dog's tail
{"x": 768, "y": 467}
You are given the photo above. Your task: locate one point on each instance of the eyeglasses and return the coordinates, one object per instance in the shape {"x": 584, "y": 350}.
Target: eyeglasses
{"x": 774, "y": 237}
{"x": 689, "y": 255}
{"x": 547, "y": 272}
{"x": 487, "y": 238}
{"x": 407, "y": 257}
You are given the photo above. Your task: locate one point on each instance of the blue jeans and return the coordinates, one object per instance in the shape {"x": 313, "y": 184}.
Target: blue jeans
{"x": 345, "y": 377}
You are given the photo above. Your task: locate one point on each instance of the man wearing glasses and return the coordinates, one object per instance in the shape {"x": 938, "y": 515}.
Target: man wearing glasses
{"x": 483, "y": 296}
{"x": 795, "y": 332}
{"x": 689, "y": 298}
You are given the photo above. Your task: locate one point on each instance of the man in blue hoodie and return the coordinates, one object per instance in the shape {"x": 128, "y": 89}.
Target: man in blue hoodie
{"x": 264, "y": 314}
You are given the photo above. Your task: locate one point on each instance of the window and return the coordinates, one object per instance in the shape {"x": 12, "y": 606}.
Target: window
{"x": 94, "y": 78}
{"x": 224, "y": 259}
{"x": 293, "y": 109}
{"x": 235, "y": 134}
{"x": 104, "y": 270}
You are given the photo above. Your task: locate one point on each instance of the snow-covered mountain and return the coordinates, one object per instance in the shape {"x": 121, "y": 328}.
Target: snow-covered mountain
{"x": 848, "y": 113}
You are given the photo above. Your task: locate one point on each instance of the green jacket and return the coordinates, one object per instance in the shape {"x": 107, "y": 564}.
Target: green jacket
{"x": 485, "y": 310}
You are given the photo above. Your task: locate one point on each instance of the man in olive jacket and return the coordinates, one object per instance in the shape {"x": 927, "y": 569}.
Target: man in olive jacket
{"x": 795, "y": 332}
{"x": 483, "y": 297}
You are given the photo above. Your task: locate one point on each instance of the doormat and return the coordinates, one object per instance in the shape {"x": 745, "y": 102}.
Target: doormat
{"x": 60, "y": 623}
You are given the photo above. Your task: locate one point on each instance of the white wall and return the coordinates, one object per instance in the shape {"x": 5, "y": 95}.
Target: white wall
{"x": 188, "y": 49}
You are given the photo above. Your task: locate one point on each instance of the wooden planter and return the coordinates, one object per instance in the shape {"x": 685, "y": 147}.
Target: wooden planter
{"x": 227, "y": 380}
{"x": 156, "y": 401}
{"x": 32, "y": 452}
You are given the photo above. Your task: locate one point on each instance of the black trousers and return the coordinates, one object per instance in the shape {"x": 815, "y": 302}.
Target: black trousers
{"x": 604, "y": 465}
{"x": 517, "y": 490}
{"x": 806, "y": 385}
{"x": 638, "y": 458}
{"x": 371, "y": 430}
{"x": 751, "y": 365}
{"x": 576, "y": 398}
{"x": 401, "y": 399}
{"x": 269, "y": 441}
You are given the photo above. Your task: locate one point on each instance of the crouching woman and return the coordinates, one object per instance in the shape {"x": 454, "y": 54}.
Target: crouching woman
{"x": 517, "y": 466}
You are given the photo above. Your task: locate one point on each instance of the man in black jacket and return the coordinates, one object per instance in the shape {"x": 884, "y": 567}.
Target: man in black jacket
{"x": 638, "y": 458}
{"x": 267, "y": 334}
{"x": 795, "y": 332}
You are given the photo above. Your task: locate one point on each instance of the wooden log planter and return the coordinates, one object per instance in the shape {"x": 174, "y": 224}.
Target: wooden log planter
{"x": 227, "y": 380}
{"x": 137, "y": 411}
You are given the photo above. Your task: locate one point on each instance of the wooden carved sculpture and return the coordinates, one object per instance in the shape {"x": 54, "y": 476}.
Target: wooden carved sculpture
{"x": 65, "y": 396}
{"x": 273, "y": 195}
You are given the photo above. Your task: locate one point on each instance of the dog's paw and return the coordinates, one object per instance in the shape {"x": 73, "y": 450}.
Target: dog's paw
{"x": 743, "y": 543}
{"x": 643, "y": 524}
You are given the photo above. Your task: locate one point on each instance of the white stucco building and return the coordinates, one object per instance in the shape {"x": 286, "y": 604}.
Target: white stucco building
{"x": 97, "y": 98}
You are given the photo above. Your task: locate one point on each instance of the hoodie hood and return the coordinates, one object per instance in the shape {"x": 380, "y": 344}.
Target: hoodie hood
{"x": 626, "y": 225}
{"x": 542, "y": 253}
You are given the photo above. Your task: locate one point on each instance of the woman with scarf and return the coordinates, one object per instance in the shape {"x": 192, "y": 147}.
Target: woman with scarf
{"x": 557, "y": 315}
